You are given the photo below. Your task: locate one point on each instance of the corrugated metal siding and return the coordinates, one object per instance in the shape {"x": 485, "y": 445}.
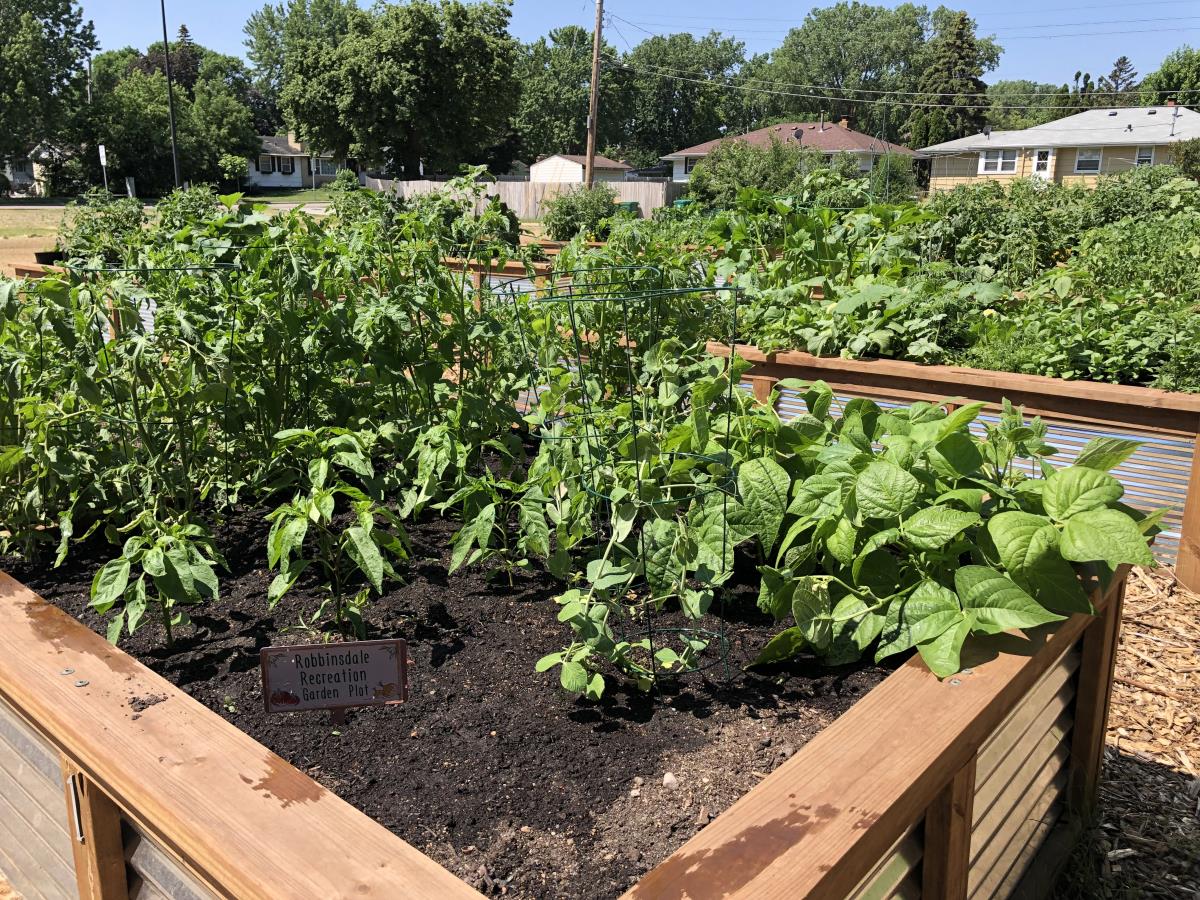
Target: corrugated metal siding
{"x": 897, "y": 876}
{"x": 35, "y": 850}
{"x": 1155, "y": 476}
{"x": 152, "y": 873}
{"x": 1020, "y": 782}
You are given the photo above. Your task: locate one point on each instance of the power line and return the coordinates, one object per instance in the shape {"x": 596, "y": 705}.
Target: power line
{"x": 668, "y": 73}
{"x": 904, "y": 93}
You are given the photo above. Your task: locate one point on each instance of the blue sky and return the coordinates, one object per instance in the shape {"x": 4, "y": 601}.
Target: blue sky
{"x": 1045, "y": 41}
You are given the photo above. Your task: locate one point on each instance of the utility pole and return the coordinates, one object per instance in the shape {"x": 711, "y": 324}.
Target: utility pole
{"x": 170, "y": 90}
{"x": 589, "y": 172}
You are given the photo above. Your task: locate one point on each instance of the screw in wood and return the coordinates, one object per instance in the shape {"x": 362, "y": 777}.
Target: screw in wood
{"x": 955, "y": 681}
{"x": 81, "y": 683}
{"x": 67, "y": 672}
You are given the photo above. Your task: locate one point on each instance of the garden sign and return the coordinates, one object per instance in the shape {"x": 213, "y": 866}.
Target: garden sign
{"x": 334, "y": 676}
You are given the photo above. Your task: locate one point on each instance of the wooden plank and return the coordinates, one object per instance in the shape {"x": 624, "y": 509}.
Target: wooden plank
{"x": 948, "y": 837}
{"x": 1187, "y": 563}
{"x": 96, "y": 825}
{"x": 1121, "y": 404}
{"x": 1031, "y": 751}
{"x": 1007, "y": 856}
{"x": 1011, "y": 811}
{"x": 1093, "y": 696}
{"x": 244, "y": 820}
{"x": 822, "y": 820}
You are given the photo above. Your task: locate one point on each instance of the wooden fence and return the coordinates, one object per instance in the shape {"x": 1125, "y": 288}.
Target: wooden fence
{"x": 527, "y": 198}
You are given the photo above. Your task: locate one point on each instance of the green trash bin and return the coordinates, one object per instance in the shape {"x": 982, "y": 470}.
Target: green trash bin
{"x": 629, "y": 206}
{"x": 683, "y": 202}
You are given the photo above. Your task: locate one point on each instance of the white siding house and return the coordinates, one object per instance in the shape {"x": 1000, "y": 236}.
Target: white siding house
{"x": 286, "y": 163}
{"x": 568, "y": 168}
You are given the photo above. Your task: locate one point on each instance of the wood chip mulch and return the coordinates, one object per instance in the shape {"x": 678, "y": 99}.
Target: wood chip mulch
{"x": 1147, "y": 841}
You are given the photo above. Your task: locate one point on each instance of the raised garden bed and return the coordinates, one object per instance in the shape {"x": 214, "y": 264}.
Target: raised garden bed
{"x": 174, "y": 792}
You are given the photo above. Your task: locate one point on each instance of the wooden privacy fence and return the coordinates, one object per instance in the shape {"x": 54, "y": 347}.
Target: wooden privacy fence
{"x": 527, "y": 198}
{"x": 1163, "y": 472}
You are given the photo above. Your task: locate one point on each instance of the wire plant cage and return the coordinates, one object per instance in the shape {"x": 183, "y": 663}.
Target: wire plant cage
{"x": 623, "y": 390}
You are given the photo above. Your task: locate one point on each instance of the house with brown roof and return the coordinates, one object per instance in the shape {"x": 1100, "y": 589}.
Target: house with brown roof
{"x": 284, "y": 162}
{"x": 569, "y": 168}
{"x": 828, "y": 138}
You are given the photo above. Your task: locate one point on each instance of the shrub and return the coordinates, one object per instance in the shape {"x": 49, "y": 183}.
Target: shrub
{"x": 5, "y": 185}
{"x": 584, "y": 211}
{"x": 734, "y": 165}
{"x": 893, "y": 178}
{"x": 344, "y": 182}
{"x": 1186, "y": 156}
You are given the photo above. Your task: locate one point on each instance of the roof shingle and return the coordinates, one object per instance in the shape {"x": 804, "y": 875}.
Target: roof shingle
{"x": 827, "y": 137}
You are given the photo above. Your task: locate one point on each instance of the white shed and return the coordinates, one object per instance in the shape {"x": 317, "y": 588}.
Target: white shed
{"x": 568, "y": 168}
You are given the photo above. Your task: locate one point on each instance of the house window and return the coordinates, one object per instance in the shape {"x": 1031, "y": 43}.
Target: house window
{"x": 326, "y": 167}
{"x": 287, "y": 165}
{"x": 266, "y": 164}
{"x": 1087, "y": 160}
{"x": 1145, "y": 156}
{"x": 998, "y": 161}
{"x": 689, "y": 163}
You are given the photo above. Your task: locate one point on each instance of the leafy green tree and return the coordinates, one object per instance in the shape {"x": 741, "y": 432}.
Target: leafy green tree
{"x": 186, "y": 56}
{"x": 1034, "y": 97}
{"x": 1178, "y": 77}
{"x": 270, "y": 30}
{"x": 423, "y": 83}
{"x": 44, "y": 45}
{"x": 554, "y": 74}
{"x": 735, "y": 165}
{"x": 841, "y": 53}
{"x": 667, "y": 113}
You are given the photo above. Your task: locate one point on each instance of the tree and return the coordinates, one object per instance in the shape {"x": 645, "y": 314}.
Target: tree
{"x": 554, "y": 74}
{"x": 952, "y": 83}
{"x": 1186, "y": 157}
{"x": 186, "y": 56}
{"x": 423, "y": 84}
{"x": 1122, "y": 79}
{"x": 666, "y": 113}
{"x": 270, "y": 31}
{"x": 1035, "y": 99}
{"x": 841, "y": 54}
{"x": 44, "y": 45}
{"x": 1178, "y": 77}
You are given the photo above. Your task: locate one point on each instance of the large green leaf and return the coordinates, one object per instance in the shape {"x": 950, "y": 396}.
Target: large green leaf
{"x": 764, "y": 486}
{"x": 885, "y": 491}
{"x": 956, "y": 455}
{"x": 1077, "y": 489}
{"x": 775, "y": 591}
{"x": 943, "y": 654}
{"x": 922, "y": 616}
{"x": 997, "y": 602}
{"x": 933, "y": 527}
{"x": 1104, "y": 535}
{"x": 818, "y": 497}
{"x": 1012, "y": 532}
{"x": 811, "y": 609}
{"x": 782, "y": 646}
{"x": 1105, "y": 453}
{"x": 364, "y": 552}
{"x": 109, "y": 584}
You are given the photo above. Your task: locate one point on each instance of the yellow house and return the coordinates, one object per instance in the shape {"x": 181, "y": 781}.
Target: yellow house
{"x": 1075, "y": 150}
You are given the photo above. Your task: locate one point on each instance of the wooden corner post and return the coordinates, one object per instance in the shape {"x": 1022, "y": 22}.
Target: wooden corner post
{"x": 948, "y": 822}
{"x": 94, "y": 826}
{"x": 1096, "y": 667}
{"x": 1187, "y": 564}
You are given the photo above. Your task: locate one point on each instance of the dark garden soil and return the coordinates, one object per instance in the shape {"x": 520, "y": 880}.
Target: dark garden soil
{"x": 490, "y": 768}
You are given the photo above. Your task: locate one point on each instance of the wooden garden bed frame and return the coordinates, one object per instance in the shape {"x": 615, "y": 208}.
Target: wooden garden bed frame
{"x": 916, "y": 791}
{"x": 1086, "y": 403}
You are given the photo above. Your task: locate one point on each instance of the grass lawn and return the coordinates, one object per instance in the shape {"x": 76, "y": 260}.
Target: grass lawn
{"x": 285, "y": 195}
